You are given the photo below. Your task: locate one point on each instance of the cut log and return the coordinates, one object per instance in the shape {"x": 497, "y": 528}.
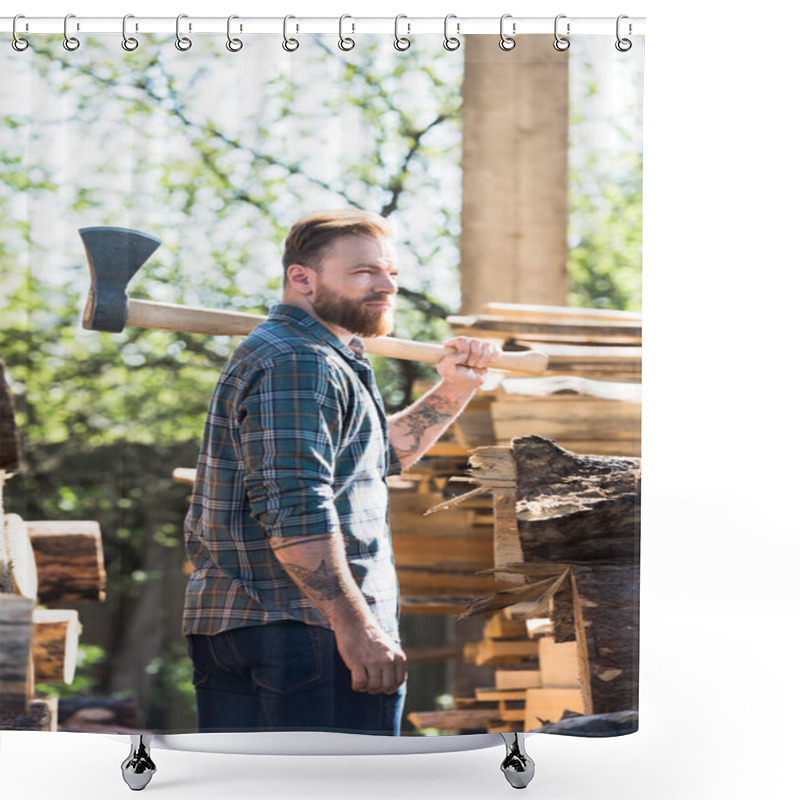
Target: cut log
{"x": 16, "y": 633}
{"x": 55, "y": 644}
{"x": 18, "y": 573}
{"x": 575, "y": 509}
{"x": 606, "y": 608}
{"x": 40, "y": 715}
{"x": 69, "y": 560}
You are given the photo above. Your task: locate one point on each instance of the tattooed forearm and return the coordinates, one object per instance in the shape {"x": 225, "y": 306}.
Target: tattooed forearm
{"x": 323, "y": 583}
{"x": 424, "y": 421}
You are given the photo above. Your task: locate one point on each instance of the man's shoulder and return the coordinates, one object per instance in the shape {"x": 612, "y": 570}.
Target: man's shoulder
{"x": 275, "y": 345}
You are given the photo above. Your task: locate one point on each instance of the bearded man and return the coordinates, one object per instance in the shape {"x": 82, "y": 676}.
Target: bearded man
{"x": 292, "y": 609}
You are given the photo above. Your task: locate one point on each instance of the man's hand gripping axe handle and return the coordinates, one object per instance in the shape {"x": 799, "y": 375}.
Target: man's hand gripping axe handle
{"x": 115, "y": 255}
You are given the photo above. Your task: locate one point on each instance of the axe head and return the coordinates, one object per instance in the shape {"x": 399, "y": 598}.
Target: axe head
{"x": 115, "y": 254}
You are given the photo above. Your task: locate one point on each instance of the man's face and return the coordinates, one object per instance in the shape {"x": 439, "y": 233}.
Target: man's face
{"x": 356, "y": 285}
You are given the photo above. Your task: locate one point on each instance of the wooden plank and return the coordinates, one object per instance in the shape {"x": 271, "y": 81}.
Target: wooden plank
{"x": 500, "y": 651}
{"x": 542, "y": 331}
{"x": 507, "y": 547}
{"x": 493, "y": 694}
{"x": 548, "y": 705}
{"x": 455, "y": 719}
{"x": 559, "y": 313}
{"x": 559, "y": 664}
{"x": 499, "y": 626}
{"x": 433, "y": 605}
{"x": 517, "y": 679}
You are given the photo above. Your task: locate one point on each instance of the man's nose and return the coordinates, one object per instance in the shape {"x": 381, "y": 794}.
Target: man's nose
{"x": 386, "y": 284}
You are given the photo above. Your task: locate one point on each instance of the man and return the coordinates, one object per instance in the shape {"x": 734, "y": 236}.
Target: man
{"x": 291, "y": 612}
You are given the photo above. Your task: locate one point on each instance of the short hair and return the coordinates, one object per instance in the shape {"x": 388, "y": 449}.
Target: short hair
{"x": 310, "y": 236}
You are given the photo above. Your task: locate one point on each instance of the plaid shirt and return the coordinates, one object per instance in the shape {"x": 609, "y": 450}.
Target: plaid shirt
{"x": 296, "y": 443}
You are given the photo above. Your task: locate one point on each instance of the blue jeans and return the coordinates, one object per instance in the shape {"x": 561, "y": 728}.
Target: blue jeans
{"x": 283, "y": 676}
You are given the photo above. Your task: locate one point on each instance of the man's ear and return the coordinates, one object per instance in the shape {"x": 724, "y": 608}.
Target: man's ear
{"x": 301, "y": 278}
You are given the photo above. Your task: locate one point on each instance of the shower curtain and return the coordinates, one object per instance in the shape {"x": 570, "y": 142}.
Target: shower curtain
{"x": 510, "y": 178}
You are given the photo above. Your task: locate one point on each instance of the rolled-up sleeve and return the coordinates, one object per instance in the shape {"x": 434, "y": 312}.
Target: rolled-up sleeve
{"x": 289, "y": 420}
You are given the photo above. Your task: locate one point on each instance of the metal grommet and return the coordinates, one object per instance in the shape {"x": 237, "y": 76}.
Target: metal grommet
{"x": 401, "y": 42}
{"x": 561, "y": 43}
{"x": 289, "y": 45}
{"x": 70, "y": 42}
{"x": 129, "y": 43}
{"x": 451, "y": 42}
{"x": 623, "y": 45}
{"x": 507, "y": 42}
{"x": 234, "y": 45}
{"x": 17, "y": 42}
{"x": 182, "y": 42}
{"x": 345, "y": 42}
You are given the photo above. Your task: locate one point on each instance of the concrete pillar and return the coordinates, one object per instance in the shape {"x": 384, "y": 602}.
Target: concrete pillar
{"x": 514, "y": 211}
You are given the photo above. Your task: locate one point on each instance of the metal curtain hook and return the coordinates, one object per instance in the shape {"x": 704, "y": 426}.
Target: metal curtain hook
{"x": 507, "y": 42}
{"x": 234, "y": 45}
{"x": 400, "y": 42}
{"x": 561, "y": 43}
{"x": 129, "y": 43}
{"x": 182, "y": 42}
{"x": 451, "y": 42}
{"x": 70, "y": 42}
{"x": 623, "y": 45}
{"x": 289, "y": 45}
{"x": 17, "y": 42}
{"x": 345, "y": 42}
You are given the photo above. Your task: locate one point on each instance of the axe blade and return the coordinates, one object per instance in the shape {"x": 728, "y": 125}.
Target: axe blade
{"x": 114, "y": 254}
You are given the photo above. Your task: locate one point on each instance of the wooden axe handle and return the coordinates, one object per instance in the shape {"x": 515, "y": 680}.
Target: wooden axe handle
{"x": 188, "y": 319}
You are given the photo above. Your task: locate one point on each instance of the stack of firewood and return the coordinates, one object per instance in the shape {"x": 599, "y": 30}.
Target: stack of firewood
{"x": 536, "y": 680}
{"x": 41, "y": 563}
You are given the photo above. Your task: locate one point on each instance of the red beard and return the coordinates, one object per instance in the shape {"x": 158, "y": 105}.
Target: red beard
{"x": 354, "y": 315}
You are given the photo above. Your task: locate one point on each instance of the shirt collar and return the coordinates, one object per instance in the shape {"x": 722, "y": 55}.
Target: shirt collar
{"x": 296, "y": 316}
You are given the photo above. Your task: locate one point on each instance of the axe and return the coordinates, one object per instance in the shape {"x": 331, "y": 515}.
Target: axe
{"x": 115, "y": 254}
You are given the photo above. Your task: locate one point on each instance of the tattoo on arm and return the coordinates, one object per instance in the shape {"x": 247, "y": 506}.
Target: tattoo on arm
{"x": 433, "y": 411}
{"x": 323, "y": 583}
{"x": 277, "y": 544}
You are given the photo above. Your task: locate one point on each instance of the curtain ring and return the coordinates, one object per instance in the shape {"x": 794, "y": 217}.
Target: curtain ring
{"x": 400, "y": 42}
{"x": 561, "y": 43}
{"x": 182, "y": 42}
{"x": 234, "y": 45}
{"x": 345, "y": 42}
{"x": 623, "y": 45}
{"x": 451, "y": 42}
{"x": 289, "y": 45}
{"x": 129, "y": 43}
{"x": 70, "y": 42}
{"x": 507, "y": 42}
{"x": 17, "y": 42}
